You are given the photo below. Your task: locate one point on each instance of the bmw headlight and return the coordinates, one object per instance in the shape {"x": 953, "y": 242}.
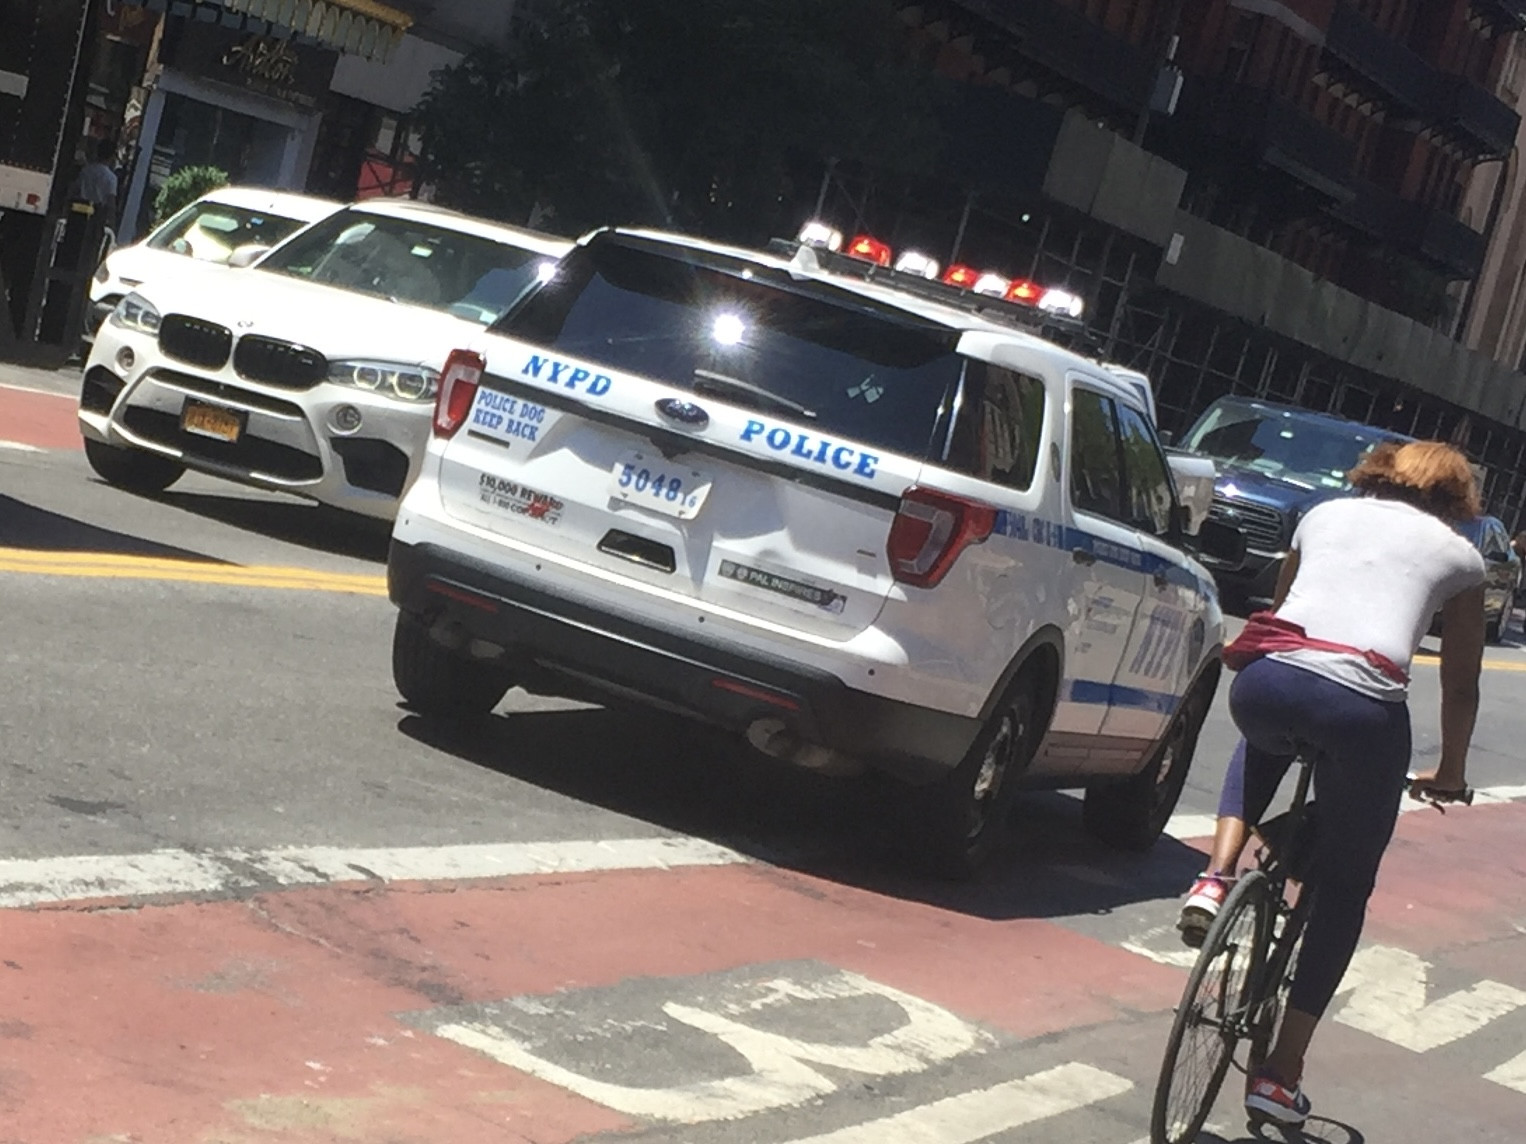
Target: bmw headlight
{"x": 390, "y": 379}
{"x": 135, "y": 312}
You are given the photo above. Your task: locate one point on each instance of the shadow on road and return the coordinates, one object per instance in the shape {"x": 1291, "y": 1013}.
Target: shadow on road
{"x": 26, "y": 526}
{"x": 309, "y": 525}
{"x": 1317, "y": 1130}
{"x": 693, "y": 780}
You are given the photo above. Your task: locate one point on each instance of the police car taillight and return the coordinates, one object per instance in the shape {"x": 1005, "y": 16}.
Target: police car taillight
{"x": 869, "y": 249}
{"x": 929, "y": 532}
{"x": 458, "y": 389}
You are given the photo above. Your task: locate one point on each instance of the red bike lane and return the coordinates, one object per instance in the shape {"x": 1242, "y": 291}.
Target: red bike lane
{"x": 36, "y": 420}
{"x": 708, "y": 1003}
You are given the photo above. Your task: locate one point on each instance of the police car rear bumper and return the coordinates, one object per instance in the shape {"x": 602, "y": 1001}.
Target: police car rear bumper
{"x": 720, "y": 682}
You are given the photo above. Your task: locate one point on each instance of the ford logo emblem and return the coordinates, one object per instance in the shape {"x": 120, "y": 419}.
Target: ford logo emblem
{"x": 684, "y": 412}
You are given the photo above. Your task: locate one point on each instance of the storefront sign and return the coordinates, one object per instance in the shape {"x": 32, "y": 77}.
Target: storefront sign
{"x": 268, "y": 65}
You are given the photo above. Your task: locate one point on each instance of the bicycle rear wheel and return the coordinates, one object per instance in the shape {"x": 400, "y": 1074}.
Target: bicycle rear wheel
{"x": 1211, "y": 1018}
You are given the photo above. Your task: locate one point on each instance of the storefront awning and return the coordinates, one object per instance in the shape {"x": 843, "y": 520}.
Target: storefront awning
{"x": 358, "y": 27}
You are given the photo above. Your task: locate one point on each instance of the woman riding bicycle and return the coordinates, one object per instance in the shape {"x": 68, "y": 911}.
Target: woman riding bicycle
{"x": 1327, "y": 676}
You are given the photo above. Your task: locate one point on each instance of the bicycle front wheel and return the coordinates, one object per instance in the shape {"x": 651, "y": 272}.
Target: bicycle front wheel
{"x": 1213, "y": 1013}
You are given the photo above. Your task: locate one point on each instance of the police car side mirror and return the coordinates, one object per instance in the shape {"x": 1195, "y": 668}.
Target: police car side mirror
{"x": 1166, "y": 437}
{"x": 1223, "y": 544}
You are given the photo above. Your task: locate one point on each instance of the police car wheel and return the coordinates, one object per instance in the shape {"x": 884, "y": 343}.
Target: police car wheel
{"x": 1130, "y": 815}
{"x": 437, "y": 682}
{"x": 969, "y": 809}
{"x": 132, "y": 469}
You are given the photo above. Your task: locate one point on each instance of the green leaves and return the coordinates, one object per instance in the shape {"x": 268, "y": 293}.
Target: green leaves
{"x": 184, "y": 187}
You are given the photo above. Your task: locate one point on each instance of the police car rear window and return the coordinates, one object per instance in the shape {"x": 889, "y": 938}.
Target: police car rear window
{"x": 750, "y": 337}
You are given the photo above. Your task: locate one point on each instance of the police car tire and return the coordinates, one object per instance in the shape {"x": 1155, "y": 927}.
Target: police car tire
{"x": 437, "y": 682}
{"x": 961, "y": 831}
{"x": 1131, "y": 815}
{"x": 132, "y": 469}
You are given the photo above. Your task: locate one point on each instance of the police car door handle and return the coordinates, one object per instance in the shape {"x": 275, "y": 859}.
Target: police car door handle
{"x": 1083, "y": 556}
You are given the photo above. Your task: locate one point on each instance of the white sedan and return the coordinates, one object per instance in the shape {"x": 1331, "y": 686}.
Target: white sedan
{"x": 220, "y": 224}
{"x": 313, "y": 372}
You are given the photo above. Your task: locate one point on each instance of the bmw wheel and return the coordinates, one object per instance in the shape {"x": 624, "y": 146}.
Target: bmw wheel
{"x": 135, "y": 470}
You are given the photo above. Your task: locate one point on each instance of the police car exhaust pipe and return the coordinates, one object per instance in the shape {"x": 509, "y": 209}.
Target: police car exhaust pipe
{"x": 774, "y": 739}
{"x": 448, "y": 633}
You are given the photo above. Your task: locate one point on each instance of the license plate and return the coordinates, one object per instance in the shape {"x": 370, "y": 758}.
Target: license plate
{"x": 654, "y": 483}
{"x": 212, "y": 421}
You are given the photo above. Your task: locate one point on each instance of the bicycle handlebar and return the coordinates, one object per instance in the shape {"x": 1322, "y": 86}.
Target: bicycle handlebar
{"x": 1439, "y": 798}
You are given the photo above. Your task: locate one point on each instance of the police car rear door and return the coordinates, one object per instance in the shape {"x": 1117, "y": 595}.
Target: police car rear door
{"x": 1107, "y": 577}
{"x": 1152, "y": 675}
{"x": 704, "y": 427}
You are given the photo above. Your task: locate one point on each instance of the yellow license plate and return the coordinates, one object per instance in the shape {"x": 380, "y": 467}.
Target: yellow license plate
{"x": 211, "y": 421}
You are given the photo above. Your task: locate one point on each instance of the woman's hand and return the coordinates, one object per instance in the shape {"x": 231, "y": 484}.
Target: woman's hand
{"x": 1432, "y": 787}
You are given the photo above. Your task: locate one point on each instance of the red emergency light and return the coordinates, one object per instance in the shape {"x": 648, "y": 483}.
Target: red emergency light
{"x": 869, "y": 249}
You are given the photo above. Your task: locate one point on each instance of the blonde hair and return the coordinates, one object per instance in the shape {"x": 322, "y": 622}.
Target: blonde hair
{"x": 1430, "y": 475}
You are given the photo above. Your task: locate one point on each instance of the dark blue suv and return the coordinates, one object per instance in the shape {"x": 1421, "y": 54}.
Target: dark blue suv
{"x": 1274, "y": 462}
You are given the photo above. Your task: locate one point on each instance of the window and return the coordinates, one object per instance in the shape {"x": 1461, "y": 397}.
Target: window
{"x": 1149, "y": 491}
{"x": 1000, "y": 423}
{"x": 1096, "y": 478}
{"x": 213, "y": 231}
{"x": 752, "y": 336}
{"x": 462, "y": 274}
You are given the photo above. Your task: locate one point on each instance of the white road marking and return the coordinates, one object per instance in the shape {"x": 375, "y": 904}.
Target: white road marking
{"x": 38, "y": 390}
{"x": 19, "y": 447}
{"x": 40, "y": 881}
{"x": 974, "y": 1116}
{"x": 1163, "y": 944}
{"x": 71, "y": 878}
{"x": 1184, "y": 827}
{"x": 1511, "y": 1074}
{"x": 781, "y": 1077}
{"x": 1389, "y": 1001}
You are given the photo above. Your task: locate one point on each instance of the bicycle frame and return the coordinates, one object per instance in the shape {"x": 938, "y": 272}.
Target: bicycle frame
{"x": 1277, "y": 946}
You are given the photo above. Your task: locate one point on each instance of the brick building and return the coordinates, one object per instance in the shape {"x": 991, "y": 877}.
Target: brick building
{"x": 1290, "y": 199}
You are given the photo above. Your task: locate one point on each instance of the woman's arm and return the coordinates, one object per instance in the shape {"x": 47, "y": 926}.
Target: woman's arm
{"x": 1462, "y": 657}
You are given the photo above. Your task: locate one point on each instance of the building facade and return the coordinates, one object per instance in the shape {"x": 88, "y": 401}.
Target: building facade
{"x": 1287, "y": 199}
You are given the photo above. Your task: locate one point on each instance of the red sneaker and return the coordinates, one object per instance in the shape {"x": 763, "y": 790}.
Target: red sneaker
{"x": 1270, "y": 1099}
{"x": 1203, "y": 903}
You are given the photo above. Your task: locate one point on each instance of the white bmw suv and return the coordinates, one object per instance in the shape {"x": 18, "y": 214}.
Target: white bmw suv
{"x": 312, "y": 372}
{"x": 860, "y": 527}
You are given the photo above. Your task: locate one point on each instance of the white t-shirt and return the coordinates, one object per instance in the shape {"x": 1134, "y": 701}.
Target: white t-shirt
{"x": 1371, "y": 575}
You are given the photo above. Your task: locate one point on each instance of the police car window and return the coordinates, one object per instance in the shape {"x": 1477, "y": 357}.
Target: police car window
{"x": 1001, "y": 420}
{"x": 1148, "y": 491}
{"x": 1096, "y": 477}
{"x": 406, "y": 261}
{"x": 808, "y": 356}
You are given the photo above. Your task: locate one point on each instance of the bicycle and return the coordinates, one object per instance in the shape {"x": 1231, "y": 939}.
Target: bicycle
{"x": 1238, "y": 985}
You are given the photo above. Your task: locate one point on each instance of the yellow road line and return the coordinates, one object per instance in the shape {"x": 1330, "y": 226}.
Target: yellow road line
{"x": 1431, "y": 660}
{"x": 109, "y": 566}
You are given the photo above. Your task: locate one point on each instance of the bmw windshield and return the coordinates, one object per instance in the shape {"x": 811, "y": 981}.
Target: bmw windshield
{"x": 1311, "y": 452}
{"x": 407, "y": 261}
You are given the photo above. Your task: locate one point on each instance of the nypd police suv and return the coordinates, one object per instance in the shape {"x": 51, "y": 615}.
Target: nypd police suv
{"x": 860, "y": 526}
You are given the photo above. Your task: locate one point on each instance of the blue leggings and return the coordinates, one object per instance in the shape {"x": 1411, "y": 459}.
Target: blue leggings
{"x": 1362, "y": 747}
